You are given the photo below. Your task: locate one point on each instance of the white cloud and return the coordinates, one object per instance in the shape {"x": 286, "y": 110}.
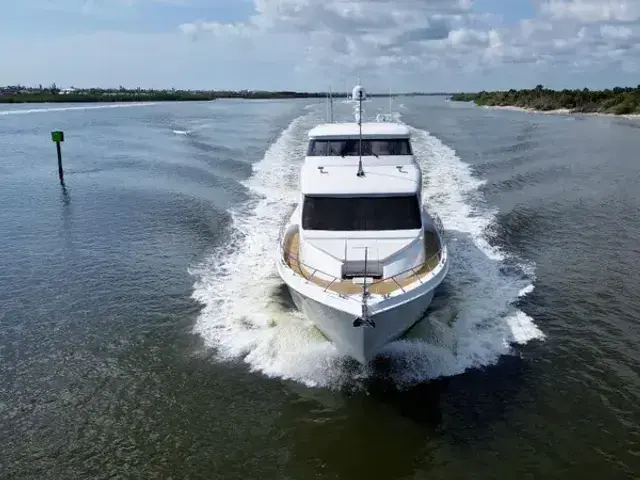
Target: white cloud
{"x": 415, "y": 44}
{"x": 338, "y": 38}
{"x": 342, "y": 38}
{"x": 592, "y": 10}
{"x": 615, "y": 32}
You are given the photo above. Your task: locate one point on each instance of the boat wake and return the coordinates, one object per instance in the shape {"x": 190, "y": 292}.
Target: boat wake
{"x": 69, "y": 109}
{"x": 247, "y": 313}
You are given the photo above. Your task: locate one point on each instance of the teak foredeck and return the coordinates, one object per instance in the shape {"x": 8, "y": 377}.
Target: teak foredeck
{"x": 377, "y": 287}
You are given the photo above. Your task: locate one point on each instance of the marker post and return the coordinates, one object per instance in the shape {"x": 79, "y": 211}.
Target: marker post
{"x": 58, "y": 137}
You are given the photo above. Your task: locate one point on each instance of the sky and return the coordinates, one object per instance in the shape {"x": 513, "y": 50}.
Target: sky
{"x": 309, "y": 45}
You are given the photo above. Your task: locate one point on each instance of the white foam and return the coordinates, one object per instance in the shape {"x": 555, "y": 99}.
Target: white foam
{"x": 68, "y": 109}
{"x": 479, "y": 314}
{"x": 195, "y": 127}
{"x": 526, "y": 291}
{"x": 243, "y": 316}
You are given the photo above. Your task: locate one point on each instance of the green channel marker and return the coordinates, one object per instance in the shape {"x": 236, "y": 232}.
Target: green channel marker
{"x": 58, "y": 137}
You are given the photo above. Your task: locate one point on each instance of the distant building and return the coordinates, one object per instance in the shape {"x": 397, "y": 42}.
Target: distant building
{"x": 66, "y": 91}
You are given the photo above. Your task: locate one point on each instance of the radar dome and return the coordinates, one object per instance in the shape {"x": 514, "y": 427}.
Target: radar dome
{"x": 358, "y": 93}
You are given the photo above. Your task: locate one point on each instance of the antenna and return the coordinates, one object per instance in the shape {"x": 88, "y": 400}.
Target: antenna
{"x": 365, "y": 293}
{"x": 330, "y": 105}
{"x": 326, "y": 108}
{"x": 365, "y": 320}
{"x": 360, "y": 91}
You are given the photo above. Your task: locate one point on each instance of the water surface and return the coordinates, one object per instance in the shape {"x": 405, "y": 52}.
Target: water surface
{"x": 144, "y": 332}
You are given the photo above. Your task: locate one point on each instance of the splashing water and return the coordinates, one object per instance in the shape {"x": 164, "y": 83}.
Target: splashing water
{"x": 244, "y": 316}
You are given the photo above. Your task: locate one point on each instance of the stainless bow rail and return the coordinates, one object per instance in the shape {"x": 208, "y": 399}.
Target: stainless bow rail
{"x": 396, "y": 282}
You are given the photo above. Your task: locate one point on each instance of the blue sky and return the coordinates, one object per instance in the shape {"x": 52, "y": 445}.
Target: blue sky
{"x": 424, "y": 45}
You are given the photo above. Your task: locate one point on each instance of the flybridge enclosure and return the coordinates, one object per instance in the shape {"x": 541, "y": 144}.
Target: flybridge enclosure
{"x": 351, "y": 147}
{"x": 331, "y": 166}
{"x": 343, "y": 139}
{"x": 379, "y": 130}
{"x": 339, "y": 178}
{"x": 334, "y": 163}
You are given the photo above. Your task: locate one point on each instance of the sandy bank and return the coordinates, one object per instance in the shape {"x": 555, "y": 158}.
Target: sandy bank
{"x": 561, "y": 111}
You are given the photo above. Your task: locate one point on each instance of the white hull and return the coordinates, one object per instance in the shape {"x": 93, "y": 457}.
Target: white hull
{"x": 362, "y": 343}
{"x": 334, "y": 314}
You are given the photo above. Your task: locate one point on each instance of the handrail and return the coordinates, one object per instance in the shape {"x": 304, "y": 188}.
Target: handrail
{"x": 287, "y": 256}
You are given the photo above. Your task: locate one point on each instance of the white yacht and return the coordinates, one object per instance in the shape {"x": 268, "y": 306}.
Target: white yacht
{"x": 360, "y": 254}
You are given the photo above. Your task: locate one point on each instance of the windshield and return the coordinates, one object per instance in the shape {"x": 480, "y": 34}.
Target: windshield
{"x": 361, "y": 213}
{"x": 350, "y": 147}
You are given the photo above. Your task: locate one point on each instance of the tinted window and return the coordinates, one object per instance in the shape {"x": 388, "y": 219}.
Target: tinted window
{"x": 361, "y": 213}
{"x": 395, "y": 146}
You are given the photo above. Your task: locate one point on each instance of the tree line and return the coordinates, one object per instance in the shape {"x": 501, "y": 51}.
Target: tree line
{"x": 618, "y": 101}
{"x": 21, "y": 94}
{"x": 52, "y": 93}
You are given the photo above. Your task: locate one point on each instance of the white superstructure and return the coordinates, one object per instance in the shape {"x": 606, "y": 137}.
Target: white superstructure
{"x": 360, "y": 254}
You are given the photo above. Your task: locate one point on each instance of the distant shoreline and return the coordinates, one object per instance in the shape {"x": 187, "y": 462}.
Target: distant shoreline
{"x": 611, "y": 102}
{"x": 117, "y": 96}
{"x": 22, "y": 101}
{"x": 137, "y": 98}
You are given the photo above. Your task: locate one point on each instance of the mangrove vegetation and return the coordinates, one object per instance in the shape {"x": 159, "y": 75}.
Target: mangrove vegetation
{"x": 21, "y": 94}
{"x": 40, "y": 94}
{"x": 617, "y": 101}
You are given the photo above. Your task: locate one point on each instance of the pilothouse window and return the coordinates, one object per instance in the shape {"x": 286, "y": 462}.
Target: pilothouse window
{"x": 350, "y": 147}
{"x": 361, "y": 213}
